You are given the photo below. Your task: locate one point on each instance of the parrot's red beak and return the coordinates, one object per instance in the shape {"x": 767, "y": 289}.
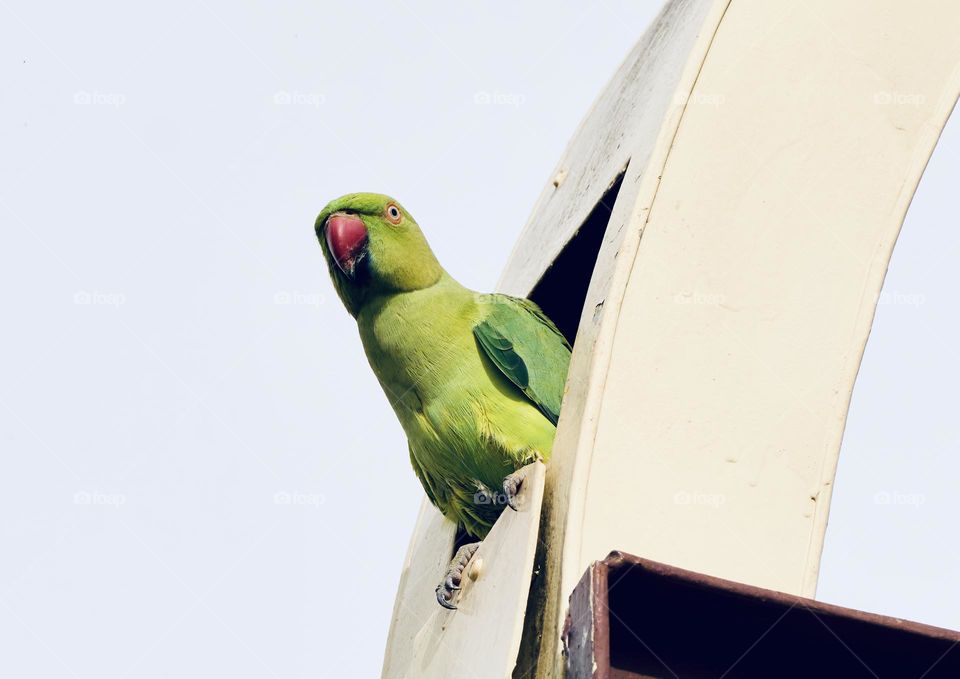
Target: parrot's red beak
{"x": 346, "y": 238}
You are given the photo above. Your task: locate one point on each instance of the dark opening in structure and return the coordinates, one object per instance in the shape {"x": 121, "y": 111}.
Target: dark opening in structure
{"x": 562, "y": 289}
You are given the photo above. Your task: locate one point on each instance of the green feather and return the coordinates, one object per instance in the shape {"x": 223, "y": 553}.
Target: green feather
{"x": 528, "y": 348}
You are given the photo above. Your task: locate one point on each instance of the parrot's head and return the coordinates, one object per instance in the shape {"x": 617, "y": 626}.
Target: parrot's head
{"x": 373, "y": 246}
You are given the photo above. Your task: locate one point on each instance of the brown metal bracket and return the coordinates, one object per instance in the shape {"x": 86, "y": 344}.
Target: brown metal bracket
{"x": 634, "y": 618}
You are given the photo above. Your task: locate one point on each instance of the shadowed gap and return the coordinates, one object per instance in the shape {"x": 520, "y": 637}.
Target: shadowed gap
{"x": 562, "y": 289}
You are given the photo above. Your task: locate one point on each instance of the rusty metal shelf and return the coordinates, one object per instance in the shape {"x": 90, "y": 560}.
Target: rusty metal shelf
{"x": 631, "y": 617}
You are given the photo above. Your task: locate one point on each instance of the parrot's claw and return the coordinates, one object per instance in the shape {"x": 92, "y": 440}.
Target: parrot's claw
{"x": 511, "y": 488}
{"x": 448, "y": 587}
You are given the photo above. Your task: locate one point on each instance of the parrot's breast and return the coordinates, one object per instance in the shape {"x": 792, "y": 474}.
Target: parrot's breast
{"x": 467, "y": 425}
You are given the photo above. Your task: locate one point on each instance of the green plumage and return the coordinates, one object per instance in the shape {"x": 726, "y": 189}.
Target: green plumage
{"x": 476, "y": 379}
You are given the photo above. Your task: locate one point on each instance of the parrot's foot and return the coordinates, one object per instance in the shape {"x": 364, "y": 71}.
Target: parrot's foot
{"x": 451, "y": 582}
{"x": 511, "y": 487}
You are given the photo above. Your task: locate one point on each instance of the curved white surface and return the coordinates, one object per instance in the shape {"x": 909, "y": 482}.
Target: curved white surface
{"x": 735, "y": 292}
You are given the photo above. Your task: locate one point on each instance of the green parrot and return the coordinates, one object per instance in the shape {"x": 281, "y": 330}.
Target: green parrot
{"x": 476, "y": 380}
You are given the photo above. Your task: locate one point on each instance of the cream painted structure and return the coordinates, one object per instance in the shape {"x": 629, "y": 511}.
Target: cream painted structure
{"x": 482, "y": 636}
{"x": 771, "y": 152}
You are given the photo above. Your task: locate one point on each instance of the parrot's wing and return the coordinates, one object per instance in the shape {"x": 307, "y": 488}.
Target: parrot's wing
{"x": 527, "y": 347}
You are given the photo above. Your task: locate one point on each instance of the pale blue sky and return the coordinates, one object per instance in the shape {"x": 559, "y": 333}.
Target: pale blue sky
{"x": 202, "y": 477}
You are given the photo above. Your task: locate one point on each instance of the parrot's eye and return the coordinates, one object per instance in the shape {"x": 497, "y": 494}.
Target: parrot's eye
{"x": 393, "y": 214}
